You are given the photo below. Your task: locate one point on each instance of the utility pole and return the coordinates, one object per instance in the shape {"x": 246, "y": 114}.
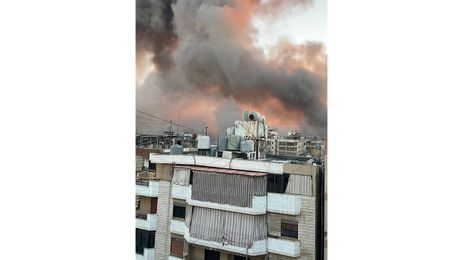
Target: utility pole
{"x": 206, "y": 129}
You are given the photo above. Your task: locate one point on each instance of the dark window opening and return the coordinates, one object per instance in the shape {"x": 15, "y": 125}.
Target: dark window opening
{"x": 211, "y": 255}
{"x": 179, "y": 211}
{"x": 144, "y": 239}
{"x": 277, "y": 183}
{"x": 237, "y": 257}
{"x": 289, "y": 228}
{"x": 152, "y": 166}
{"x": 154, "y": 205}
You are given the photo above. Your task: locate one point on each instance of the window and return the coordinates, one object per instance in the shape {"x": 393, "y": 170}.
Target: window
{"x": 211, "y": 255}
{"x": 179, "y": 211}
{"x": 154, "y": 205}
{"x": 277, "y": 182}
{"x": 237, "y": 257}
{"x": 289, "y": 228}
{"x": 176, "y": 247}
{"x": 152, "y": 166}
{"x": 144, "y": 239}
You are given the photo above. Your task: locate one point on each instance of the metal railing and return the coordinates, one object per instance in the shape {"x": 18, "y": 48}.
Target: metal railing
{"x": 141, "y": 216}
{"x": 143, "y": 183}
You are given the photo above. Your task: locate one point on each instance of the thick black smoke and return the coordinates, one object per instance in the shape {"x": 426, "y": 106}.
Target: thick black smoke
{"x": 155, "y": 31}
{"x": 209, "y": 53}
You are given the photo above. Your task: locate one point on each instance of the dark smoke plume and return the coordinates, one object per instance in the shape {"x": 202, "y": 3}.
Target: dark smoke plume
{"x": 155, "y": 31}
{"x": 210, "y": 53}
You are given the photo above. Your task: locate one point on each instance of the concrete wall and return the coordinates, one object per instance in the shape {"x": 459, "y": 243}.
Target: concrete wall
{"x": 145, "y": 205}
{"x": 164, "y": 171}
{"x": 284, "y": 203}
{"x": 306, "y": 228}
{"x": 165, "y": 206}
{"x": 195, "y": 253}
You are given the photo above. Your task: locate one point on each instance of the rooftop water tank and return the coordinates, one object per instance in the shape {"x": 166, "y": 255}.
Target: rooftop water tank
{"x": 176, "y": 149}
{"x": 253, "y": 116}
{"x": 204, "y": 142}
{"x": 233, "y": 143}
{"x": 247, "y": 146}
{"x": 223, "y": 142}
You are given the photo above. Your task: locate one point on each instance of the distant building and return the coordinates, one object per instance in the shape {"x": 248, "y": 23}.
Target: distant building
{"x": 316, "y": 147}
{"x": 293, "y": 147}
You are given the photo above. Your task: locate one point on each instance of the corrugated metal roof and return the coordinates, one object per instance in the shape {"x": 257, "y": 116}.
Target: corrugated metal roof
{"x": 221, "y": 170}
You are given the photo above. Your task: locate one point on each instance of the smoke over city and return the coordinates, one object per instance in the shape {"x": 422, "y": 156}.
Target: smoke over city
{"x": 197, "y": 64}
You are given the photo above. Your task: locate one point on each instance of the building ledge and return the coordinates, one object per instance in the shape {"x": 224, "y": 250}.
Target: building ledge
{"x": 147, "y": 224}
{"x": 285, "y": 247}
{"x": 148, "y": 254}
{"x": 289, "y": 204}
{"x": 258, "y": 247}
{"x": 177, "y": 227}
{"x": 237, "y": 164}
{"x": 259, "y": 204}
{"x": 148, "y": 188}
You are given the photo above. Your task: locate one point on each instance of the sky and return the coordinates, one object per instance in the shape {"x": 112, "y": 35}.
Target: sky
{"x": 308, "y": 24}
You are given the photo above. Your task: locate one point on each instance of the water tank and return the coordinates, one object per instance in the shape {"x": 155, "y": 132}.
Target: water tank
{"x": 254, "y": 116}
{"x": 176, "y": 149}
{"x": 223, "y": 142}
{"x": 204, "y": 142}
{"x": 246, "y": 116}
{"x": 213, "y": 150}
{"x": 233, "y": 143}
{"x": 247, "y": 146}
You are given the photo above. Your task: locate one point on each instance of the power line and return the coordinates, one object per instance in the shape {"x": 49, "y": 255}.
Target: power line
{"x": 168, "y": 121}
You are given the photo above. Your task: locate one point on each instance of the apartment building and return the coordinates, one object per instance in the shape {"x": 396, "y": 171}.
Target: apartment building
{"x": 316, "y": 147}
{"x": 200, "y": 207}
{"x": 292, "y": 147}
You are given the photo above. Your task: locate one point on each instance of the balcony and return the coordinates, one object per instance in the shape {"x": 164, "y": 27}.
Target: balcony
{"x": 259, "y": 204}
{"x": 148, "y": 188}
{"x": 257, "y": 248}
{"x": 148, "y": 254}
{"x": 285, "y": 247}
{"x": 146, "y": 221}
{"x": 288, "y": 204}
{"x": 177, "y": 227}
{"x": 180, "y": 191}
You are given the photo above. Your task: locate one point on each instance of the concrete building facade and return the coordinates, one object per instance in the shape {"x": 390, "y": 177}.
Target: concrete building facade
{"x": 219, "y": 208}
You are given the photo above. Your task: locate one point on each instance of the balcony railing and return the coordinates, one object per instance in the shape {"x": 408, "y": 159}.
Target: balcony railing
{"x": 145, "y": 183}
{"x": 141, "y": 216}
{"x": 146, "y": 221}
{"x": 148, "y": 188}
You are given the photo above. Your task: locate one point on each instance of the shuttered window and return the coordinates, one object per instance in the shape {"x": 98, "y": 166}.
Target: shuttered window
{"x": 299, "y": 184}
{"x": 176, "y": 247}
{"x": 231, "y": 189}
{"x": 233, "y": 228}
{"x": 289, "y": 228}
